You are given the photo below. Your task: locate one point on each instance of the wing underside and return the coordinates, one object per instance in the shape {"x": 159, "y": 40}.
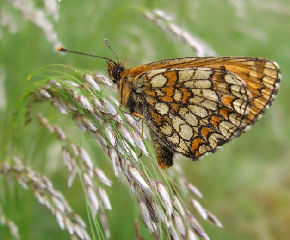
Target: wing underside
{"x": 193, "y": 110}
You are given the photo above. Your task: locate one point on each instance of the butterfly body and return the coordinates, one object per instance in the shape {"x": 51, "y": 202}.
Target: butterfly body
{"x": 194, "y": 105}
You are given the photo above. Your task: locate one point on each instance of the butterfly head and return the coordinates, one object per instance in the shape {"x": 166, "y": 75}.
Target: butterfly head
{"x": 115, "y": 70}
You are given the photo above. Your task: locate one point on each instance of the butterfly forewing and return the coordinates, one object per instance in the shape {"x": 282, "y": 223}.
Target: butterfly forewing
{"x": 194, "y": 105}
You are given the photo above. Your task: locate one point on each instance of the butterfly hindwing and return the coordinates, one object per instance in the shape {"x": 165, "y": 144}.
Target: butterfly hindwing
{"x": 193, "y": 110}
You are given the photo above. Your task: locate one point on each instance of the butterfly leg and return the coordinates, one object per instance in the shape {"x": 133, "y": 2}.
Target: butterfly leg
{"x": 163, "y": 154}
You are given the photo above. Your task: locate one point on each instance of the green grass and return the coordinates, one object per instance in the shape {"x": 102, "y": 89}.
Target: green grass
{"x": 246, "y": 183}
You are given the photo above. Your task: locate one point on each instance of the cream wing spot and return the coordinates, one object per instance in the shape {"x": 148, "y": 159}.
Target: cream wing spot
{"x": 203, "y": 149}
{"x": 189, "y": 84}
{"x": 186, "y": 132}
{"x": 250, "y": 63}
{"x": 159, "y": 93}
{"x": 237, "y": 90}
{"x": 232, "y": 79}
{"x": 158, "y": 81}
{"x": 191, "y": 119}
{"x": 155, "y": 72}
{"x": 210, "y": 94}
{"x": 240, "y": 106}
{"x": 224, "y": 131}
{"x": 235, "y": 119}
{"x": 196, "y": 92}
{"x": 183, "y": 111}
{"x": 270, "y": 72}
{"x": 266, "y": 92}
{"x": 166, "y": 129}
{"x": 271, "y": 65}
{"x": 162, "y": 108}
{"x": 184, "y": 75}
{"x": 176, "y": 122}
{"x": 173, "y": 139}
{"x": 196, "y": 100}
{"x": 254, "y": 74}
{"x": 259, "y": 102}
{"x": 210, "y": 105}
{"x": 214, "y": 139}
{"x": 177, "y": 95}
{"x": 182, "y": 146}
{"x": 269, "y": 80}
{"x": 203, "y": 84}
{"x": 199, "y": 111}
{"x": 202, "y": 73}
{"x": 222, "y": 86}
{"x": 226, "y": 128}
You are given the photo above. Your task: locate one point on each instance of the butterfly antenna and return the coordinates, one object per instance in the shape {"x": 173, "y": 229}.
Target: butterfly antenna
{"x": 107, "y": 45}
{"x": 61, "y": 49}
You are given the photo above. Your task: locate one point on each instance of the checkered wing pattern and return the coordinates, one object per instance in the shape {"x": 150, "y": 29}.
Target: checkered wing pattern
{"x": 198, "y": 104}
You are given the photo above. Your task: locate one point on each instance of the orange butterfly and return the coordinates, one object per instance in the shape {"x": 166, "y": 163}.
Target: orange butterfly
{"x": 194, "y": 105}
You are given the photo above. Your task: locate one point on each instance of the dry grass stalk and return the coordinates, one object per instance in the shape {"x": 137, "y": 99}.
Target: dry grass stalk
{"x": 120, "y": 137}
{"x": 46, "y": 195}
{"x": 39, "y": 17}
{"x": 12, "y": 227}
{"x": 165, "y": 22}
{"x": 79, "y": 161}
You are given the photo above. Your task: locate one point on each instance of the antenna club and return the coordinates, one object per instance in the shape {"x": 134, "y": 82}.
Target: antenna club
{"x": 60, "y": 48}
{"x": 111, "y": 49}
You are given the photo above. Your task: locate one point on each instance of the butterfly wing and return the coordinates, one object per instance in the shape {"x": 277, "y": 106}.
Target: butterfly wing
{"x": 195, "y": 105}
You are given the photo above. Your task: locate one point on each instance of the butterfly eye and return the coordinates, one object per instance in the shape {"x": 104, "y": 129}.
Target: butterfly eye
{"x": 116, "y": 73}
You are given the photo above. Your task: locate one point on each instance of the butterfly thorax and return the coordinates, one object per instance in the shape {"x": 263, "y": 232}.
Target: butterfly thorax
{"x": 125, "y": 82}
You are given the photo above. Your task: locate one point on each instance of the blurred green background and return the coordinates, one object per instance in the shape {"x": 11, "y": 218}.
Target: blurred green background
{"x": 246, "y": 184}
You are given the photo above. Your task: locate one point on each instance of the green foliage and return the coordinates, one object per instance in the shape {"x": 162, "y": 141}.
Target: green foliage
{"x": 246, "y": 183}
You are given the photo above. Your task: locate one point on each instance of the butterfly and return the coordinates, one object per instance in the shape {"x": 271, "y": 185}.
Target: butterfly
{"x": 194, "y": 105}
